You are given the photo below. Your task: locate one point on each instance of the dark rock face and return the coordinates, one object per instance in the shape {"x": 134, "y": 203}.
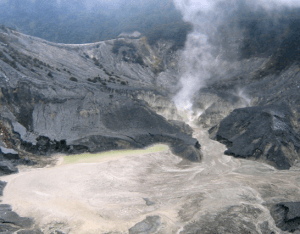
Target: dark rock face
{"x": 11, "y": 222}
{"x": 260, "y": 133}
{"x": 2, "y": 186}
{"x": 287, "y": 216}
{"x": 44, "y": 114}
{"x": 10, "y": 217}
{"x": 6, "y": 168}
{"x": 264, "y": 75}
{"x": 82, "y": 98}
{"x": 148, "y": 202}
{"x": 147, "y": 226}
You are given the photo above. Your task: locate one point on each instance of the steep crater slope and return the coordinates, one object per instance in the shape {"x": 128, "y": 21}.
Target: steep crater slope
{"x": 251, "y": 101}
{"x": 86, "y": 98}
{"x": 268, "y": 128}
{"x": 58, "y": 98}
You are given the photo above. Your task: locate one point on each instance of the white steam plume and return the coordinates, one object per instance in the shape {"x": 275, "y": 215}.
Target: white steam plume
{"x": 200, "y": 58}
{"x": 197, "y": 60}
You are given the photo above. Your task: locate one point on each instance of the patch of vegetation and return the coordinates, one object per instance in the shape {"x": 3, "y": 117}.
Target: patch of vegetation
{"x": 97, "y": 63}
{"x": 97, "y": 79}
{"x": 73, "y": 79}
{"x": 104, "y": 81}
{"x": 106, "y": 72}
{"x": 22, "y": 59}
{"x": 5, "y": 59}
{"x": 139, "y": 60}
{"x": 3, "y": 39}
{"x": 111, "y": 79}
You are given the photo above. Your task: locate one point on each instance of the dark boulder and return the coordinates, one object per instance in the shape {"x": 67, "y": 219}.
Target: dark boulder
{"x": 263, "y": 133}
{"x": 9, "y": 154}
{"x": 147, "y": 226}
{"x": 2, "y": 186}
{"x": 287, "y": 216}
{"x": 148, "y": 202}
{"x": 7, "y": 168}
{"x": 9, "y": 220}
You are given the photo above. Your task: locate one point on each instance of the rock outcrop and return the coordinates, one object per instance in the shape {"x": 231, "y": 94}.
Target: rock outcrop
{"x": 85, "y": 98}
{"x": 255, "y": 113}
{"x": 287, "y": 216}
{"x": 147, "y": 226}
{"x": 11, "y": 222}
{"x": 263, "y": 133}
{"x": 116, "y": 95}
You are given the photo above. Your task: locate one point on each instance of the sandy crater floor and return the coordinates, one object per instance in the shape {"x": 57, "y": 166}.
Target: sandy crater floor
{"x": 104, "y": 193}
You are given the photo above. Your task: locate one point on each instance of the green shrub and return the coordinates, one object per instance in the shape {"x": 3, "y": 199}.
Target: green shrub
{"x": 73, "y": 79}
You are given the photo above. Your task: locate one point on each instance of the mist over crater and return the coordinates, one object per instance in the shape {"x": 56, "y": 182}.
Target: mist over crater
{"x": 226, "y": 33}
{"x": 159, "y": 117}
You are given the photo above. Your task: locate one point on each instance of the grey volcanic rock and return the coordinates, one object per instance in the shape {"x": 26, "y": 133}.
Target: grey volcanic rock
{"x": 11, "y": 221}
{"x": 147, "y": 226}
{"x": 6, "y": 168}
{"x": 86, "y": 98}
{"x": 2, "y": 186}
{"x": 260, "y": 133}
{"x": 268, "y": 130}
{"x": 287, "y": 216}
{"x": 9, "y": 153}
{"x": 148, "y": 202}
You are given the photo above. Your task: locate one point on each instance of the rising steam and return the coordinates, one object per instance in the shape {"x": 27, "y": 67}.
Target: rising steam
{"x": 217, "y": 38}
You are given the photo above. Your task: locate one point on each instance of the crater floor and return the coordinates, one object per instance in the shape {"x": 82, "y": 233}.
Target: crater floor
{"x": 112, "y": 194}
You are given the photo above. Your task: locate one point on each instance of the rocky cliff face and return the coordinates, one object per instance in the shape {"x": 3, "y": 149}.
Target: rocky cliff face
{"x": 254, "y": 106}
{"x": 93, "y": 97}
{"x": 117, "y": 94}
{"x": 75, "y": 98}
{"x": 268, "y": 123}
